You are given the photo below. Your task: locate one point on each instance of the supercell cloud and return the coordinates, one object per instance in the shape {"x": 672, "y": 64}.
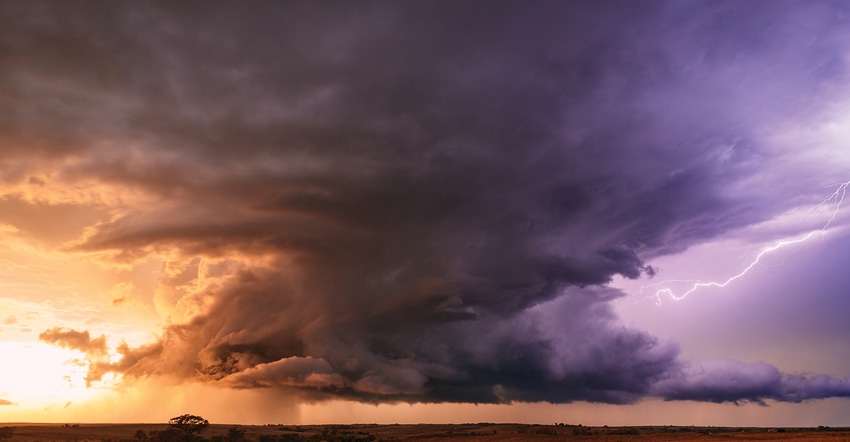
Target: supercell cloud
{"x": 415, "y": 201}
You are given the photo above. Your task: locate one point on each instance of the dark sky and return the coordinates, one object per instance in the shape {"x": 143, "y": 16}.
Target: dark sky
{"x": 424, "y": 201}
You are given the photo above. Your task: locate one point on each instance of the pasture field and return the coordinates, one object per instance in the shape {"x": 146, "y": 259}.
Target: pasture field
{"x": 481, "y": 432}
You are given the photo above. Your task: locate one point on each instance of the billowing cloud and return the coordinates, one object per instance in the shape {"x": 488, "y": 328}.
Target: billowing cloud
{"x": 732, "y": 381}
{"x": 293, "y": 371}
{"x": 413, "y": 201}
{"x": 5, "y": 402}
{"x": 75, "y": 340}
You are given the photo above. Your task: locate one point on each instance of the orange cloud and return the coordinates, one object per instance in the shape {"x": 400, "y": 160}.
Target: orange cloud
{"x": 293, "y": 371}
{"x": 75, "y": 340}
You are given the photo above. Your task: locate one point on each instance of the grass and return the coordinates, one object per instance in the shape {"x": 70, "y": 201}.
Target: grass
{"x": 429, "y": 432}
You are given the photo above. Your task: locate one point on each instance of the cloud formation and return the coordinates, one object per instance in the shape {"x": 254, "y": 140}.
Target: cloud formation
{"x": 732, "y": 381}
{"x": 75, "y": 340}
{"x": 293, "y": 371}
{"x": 412, "y": 201}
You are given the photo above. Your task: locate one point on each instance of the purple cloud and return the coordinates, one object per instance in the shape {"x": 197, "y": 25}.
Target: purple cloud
{"x": 732, "y": 381}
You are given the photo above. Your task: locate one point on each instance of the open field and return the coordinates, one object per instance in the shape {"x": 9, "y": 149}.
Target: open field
{"x": 423, "y": 432}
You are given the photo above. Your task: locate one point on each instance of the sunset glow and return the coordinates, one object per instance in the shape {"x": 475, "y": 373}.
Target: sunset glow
{"x": 601, "y": 212}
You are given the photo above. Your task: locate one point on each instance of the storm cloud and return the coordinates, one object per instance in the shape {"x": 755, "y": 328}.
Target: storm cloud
{"x": 417, "y": 201}
{"x": 732, "y": 381}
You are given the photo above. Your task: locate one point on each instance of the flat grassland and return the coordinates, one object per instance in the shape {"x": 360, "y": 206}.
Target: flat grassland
{"x": 482, "y": 432}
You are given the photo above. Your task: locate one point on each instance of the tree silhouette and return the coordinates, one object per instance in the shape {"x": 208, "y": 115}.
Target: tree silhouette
{"x": 188, "y": 423}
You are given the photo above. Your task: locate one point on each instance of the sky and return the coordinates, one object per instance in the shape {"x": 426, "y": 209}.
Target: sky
{"x": 598, "y": 213}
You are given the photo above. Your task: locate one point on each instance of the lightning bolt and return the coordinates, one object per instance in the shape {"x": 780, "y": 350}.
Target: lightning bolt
{"x": 834, "y": 200}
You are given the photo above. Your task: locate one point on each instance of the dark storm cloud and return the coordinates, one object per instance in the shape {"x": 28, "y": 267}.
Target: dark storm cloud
{"x": 410, "y": 201}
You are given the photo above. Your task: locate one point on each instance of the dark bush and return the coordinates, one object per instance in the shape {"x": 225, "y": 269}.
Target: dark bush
{"x": 7, "y": 432}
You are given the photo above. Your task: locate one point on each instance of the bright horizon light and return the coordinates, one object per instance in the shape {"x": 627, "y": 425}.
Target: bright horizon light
{"x": 37, "y": 375}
